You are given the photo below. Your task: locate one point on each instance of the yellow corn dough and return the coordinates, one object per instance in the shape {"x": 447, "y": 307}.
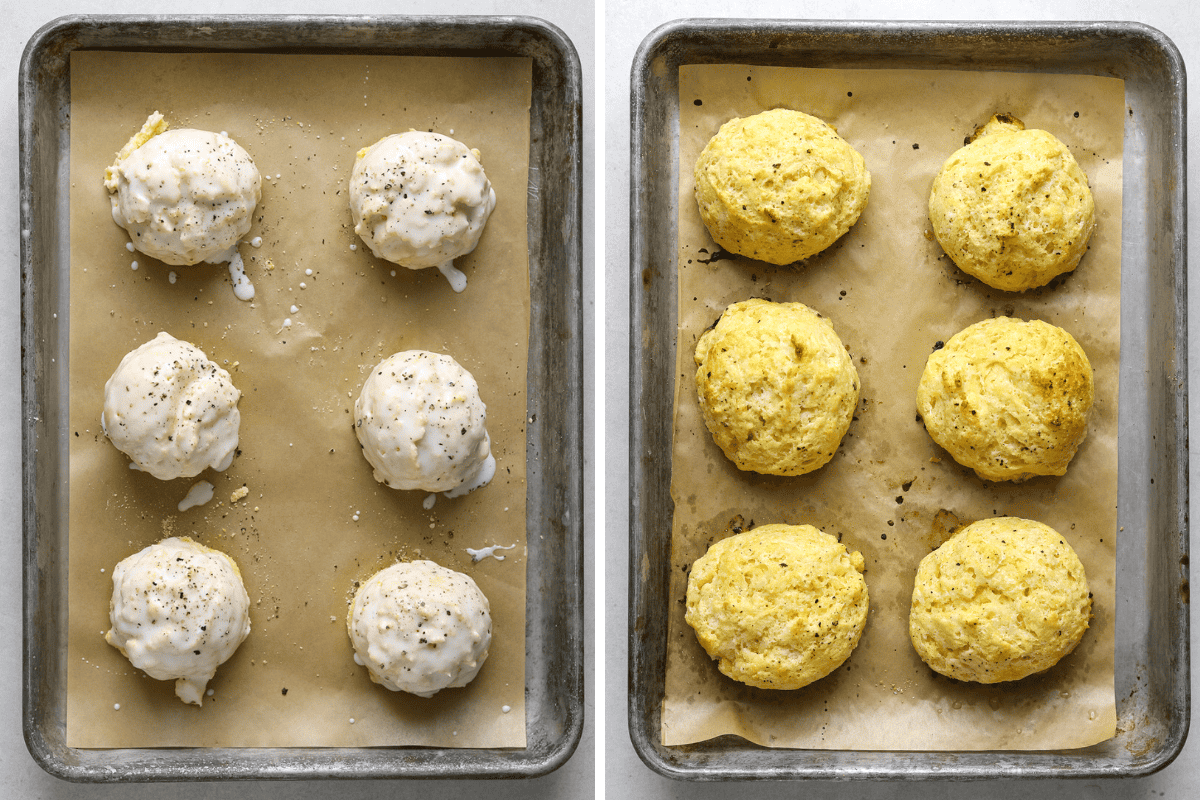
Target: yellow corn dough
{"x": 1008, "y": 398}
{"x": 776, "y": 386}
{"x": 779, "y": 186}
{"x": 779, "y": 606}
{"x": 1002, "y": 599}
{"x": 1013, "y": 207}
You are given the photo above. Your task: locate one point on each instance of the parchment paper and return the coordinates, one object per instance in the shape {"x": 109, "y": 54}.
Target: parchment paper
{"x": 890, "y": 492}
{"x": 315, "y": 521}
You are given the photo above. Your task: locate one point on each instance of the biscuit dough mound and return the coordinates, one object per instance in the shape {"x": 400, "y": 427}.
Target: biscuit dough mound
{"x": 778, "y": 607}
{"x": 1012, "y": 208}
{"x": 419, "y": 627}
{"x": 184, "y": 196}
{"x": 1002, "y": 599}
{"x": 172, "y": 410}
{"x": 1008, "y": 398}
{"x": 420, "y": 422}
{"x": 420, "y": 200}
{"x": 179, "y": 610}
{"x": 777, "y": 388}
{"x": 779, "y": 186}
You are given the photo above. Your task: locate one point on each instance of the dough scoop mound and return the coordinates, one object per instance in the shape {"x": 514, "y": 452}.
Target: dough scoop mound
{"x": 420, "y": 422}
{"x": 172, "y": 410}
{"x": 184, "y": 196}
{"x": 179, "y": 610}
{"x": 420, "y": 199}
{"x": 419, "y": 627}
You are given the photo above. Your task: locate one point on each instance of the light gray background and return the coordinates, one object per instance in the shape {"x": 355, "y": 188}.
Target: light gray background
{"x": 20, "y": 777}
{"x": 627, "y": 23}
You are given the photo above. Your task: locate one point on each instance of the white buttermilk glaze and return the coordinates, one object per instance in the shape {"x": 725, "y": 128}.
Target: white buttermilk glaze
{"x": 419, "y": 627}
{"x": 184, "y": 195}
{"x": 172, "y": 410}
{"x": 178, "y": 611}
{"x": 420, "y": 200}
{"x": 421, "y": 424}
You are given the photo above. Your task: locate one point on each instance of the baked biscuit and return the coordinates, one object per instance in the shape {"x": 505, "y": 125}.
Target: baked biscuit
{"x": 777, "y": 388}
{"x": 778, "y": 607}
{"x": 1008, "y": 398}
{"x": 1012, "y": 207}
{"x": 1002, "y": 599}
{"x": 779, "y": 186}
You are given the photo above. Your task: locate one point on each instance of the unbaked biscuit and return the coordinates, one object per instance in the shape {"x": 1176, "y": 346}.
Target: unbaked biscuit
{"x": 778, "y": 607}
{"x": 776, "y": 386}
{"x": 183, "y": 195}
{"x": 1012, "y": 207}
{"x": 1002, "y": 599}
{"x": 779, "y": 186}
{"x": 1008, "y": 398}
{"x": 419, "y": 627}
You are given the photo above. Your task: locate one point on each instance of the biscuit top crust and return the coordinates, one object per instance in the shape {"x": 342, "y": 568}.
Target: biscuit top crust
{"x": 1012, "y": 208}
{"x": 1001, "y": 599}
{"x": 779, "y": 186}
{"x": 779, "y": 606}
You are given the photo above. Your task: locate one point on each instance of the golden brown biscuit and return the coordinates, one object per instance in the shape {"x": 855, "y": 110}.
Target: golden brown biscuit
{"x": 779, "y": 606}
{"x": 1001, "y": 599}
{"x": 1008, "y": 398}
{"x": 777, "y": 388}
{"x": 779, "y": 186}
{"x": 1012, "y": 208}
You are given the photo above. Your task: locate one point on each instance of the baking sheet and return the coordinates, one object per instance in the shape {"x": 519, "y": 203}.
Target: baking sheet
{"x": 890, "y": 492}
{"x": 553, "y": 430}
{"x": 1151, "y": 617}
{"x": 315, "y": 522}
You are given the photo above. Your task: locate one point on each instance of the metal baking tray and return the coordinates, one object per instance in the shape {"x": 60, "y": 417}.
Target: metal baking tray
{"x": 1152, "y": 630}
{"x": 554, "y": 443}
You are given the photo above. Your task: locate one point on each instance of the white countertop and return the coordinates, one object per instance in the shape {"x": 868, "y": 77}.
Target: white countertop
{"x": 627, "y": 23}
{"x": 20, "y": 776}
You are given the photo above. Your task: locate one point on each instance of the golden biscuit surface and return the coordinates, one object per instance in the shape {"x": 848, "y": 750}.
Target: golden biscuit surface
{"x": 1008, "y": 398}
{"x": 1012, "y": 207}
{"x": 777, "y": 388}
{"x": 1002, "y": 599}
{"x": 779, "y": 186}
{"x": 778, "y": 607}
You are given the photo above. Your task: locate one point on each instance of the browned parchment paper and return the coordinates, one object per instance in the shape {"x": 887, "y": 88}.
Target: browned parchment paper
{"x": 890, "y": 492}
{"x": 315, "y": 521}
